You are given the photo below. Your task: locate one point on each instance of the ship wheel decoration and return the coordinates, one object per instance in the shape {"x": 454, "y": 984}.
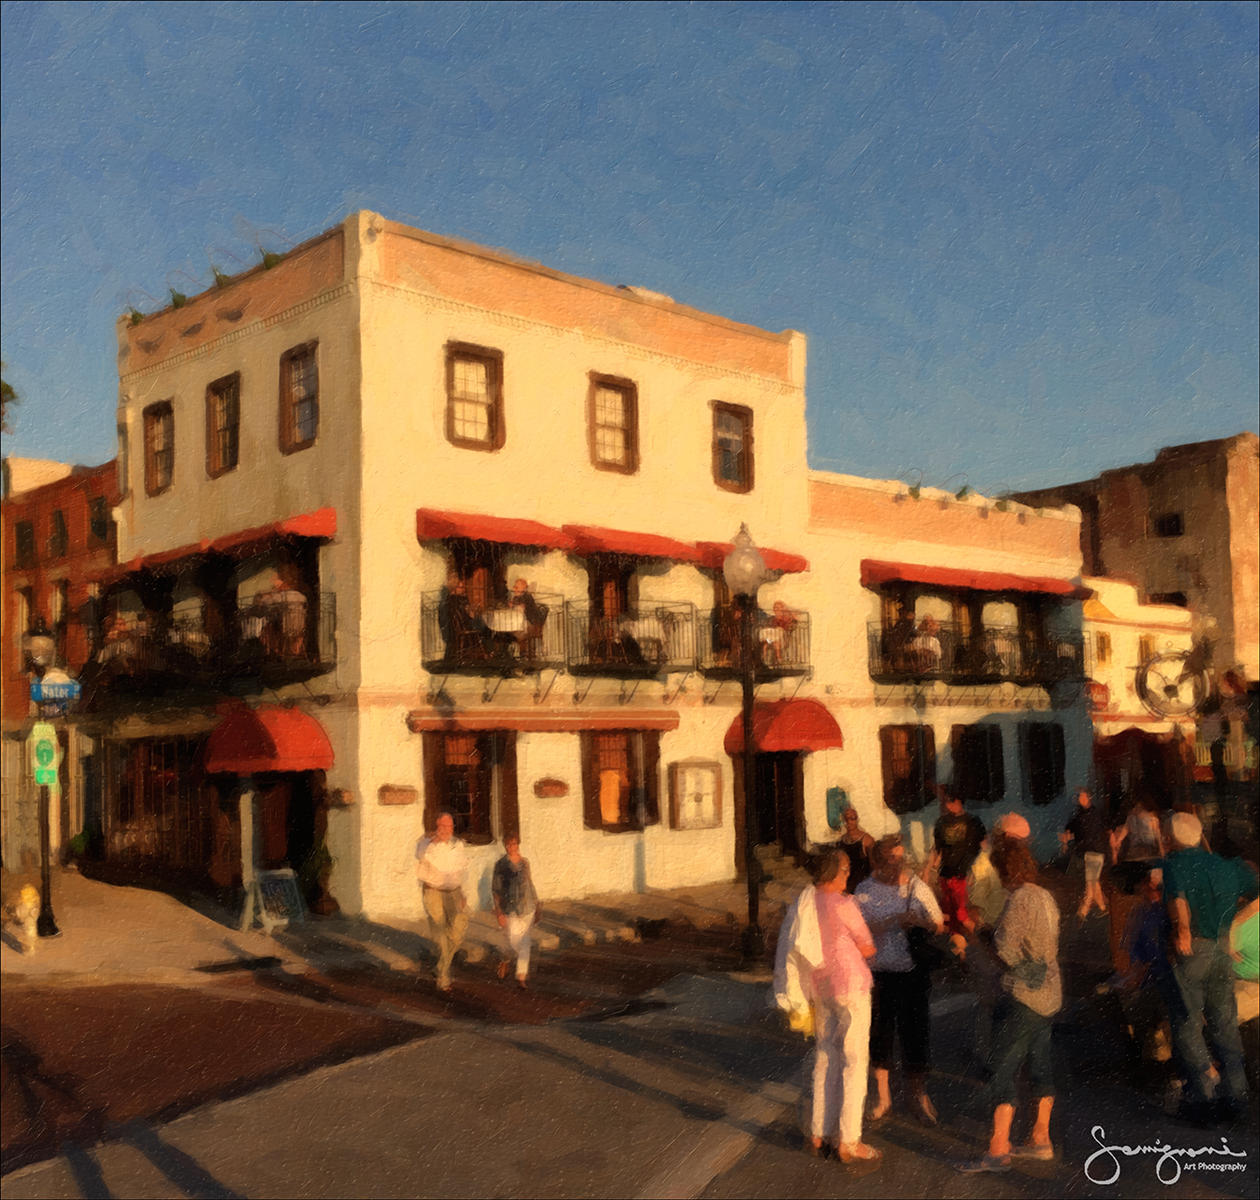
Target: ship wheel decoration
{"x": 1174, "y": 684}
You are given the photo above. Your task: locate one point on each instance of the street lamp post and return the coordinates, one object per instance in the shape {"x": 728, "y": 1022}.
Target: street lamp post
{"x": 40, "y": 649}
{"x": 745, "y": 571}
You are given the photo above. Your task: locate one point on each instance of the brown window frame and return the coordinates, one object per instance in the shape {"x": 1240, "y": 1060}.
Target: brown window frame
{"x": 216, "y": 461}
{"x": 493, "y": 359}
{"x": 163, "y": 410}
{"x": 901, "y": 793}
{"x": 290, "y": 443}
{"x": 24, "y": 552}
{"x": 630, "y": 393}
{"x": 744, "y": 414}
{"x": 58, "y": 534}
{"x": 98, "y": 527}
{"x": 495, "y": 750}
{"x": 592, "y": 817}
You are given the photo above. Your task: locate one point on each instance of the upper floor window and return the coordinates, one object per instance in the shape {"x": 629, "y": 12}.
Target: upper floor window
{"x": 732, "y": 447}
{"x": 613, "y": 424}
{"x": 299, "y": 398}
{"x": 58, "y": 535}
{"x": 223, "y": 425}
{"x": 124, "y": 462}
{"x": 98, "y": 519}
{"x": 1102, "y": 648}
{"x": 1177, "y": 599}
{"x": 1168, "y": 525}
{"x": 24, "y": 544}
{"x": 474, "y": 397}
{"x": 159, "y": 447}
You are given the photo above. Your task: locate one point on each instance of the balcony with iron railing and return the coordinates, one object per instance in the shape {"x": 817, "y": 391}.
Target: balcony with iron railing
{"x": 501, "y": 639}
{"x": 781, "y": 643}
{"x": 280, "y": 636}
{"x": 639, "y": 642}
{"x": 991, "y": 654}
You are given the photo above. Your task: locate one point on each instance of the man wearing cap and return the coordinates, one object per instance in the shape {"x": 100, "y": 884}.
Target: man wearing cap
{"x": 1203, "y": 892}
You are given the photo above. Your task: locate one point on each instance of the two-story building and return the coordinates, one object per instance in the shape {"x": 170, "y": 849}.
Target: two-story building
{"x": 58, "y": 538}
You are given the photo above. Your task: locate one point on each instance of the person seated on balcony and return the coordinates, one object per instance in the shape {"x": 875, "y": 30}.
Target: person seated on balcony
{"x": 284, "y": 629}
{"x": 535, "y": 617}
{"x": 119, "y": 646}
{"x": 465, "y": 635}
{"x": 775, "y": 632}
{"x": 896, "y": 641}
{"x": 925, "y": 647}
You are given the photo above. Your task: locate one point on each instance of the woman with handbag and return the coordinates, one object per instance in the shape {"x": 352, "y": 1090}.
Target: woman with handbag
{"x": 1026, "y": 947}
{"x": 894, "y": 901}
{"x": 822, "y": 982}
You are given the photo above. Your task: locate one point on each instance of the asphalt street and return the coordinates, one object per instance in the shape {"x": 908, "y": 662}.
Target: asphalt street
{"x": 696, "y": 1091}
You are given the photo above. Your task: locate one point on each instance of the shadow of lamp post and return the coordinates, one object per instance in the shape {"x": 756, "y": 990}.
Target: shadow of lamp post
{"x": 40, "y": 648}
{"x": 745, "y": 571}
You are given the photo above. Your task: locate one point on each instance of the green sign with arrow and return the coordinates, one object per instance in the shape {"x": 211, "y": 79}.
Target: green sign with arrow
{"x": 43, "y": 743}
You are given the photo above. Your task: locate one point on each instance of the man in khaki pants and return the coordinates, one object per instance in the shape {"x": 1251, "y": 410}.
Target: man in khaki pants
{"x": 441, "y": 865}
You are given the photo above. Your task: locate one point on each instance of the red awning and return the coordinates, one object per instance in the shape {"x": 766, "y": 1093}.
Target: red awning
{"x": 786, "y": 725}
{"x": 433, "y": 525}
{"x": 319, "y": 524}
{"x": 713, "y": 554}
{"x": 593, "y": 539}
{"x": 875, "y": 574}
{"x": 249, "y": 741}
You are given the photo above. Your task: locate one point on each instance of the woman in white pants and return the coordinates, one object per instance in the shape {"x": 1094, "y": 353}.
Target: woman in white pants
{"x": 822, "y": 981}
{"x": 516, "y": 907}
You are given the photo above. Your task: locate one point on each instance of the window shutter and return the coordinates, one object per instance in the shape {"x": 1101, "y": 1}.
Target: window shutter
{"x": 509, "y": 805}
{"x": 590, "y": 782}
{"x": 925, "y": 764}
{"x": 652, "y": 777}
{"x": 889, "y": 741}
{"x": 431, "y": 749}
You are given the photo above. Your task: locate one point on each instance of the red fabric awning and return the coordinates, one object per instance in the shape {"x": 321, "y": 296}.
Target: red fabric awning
{"x": 786, "y": 725}
{"x": 875, "y": 574}
{"x": 713, "y": 554}
{"x": 433, "y": 525}
{"x": 249, "y": 741}
{"x": 322, "y": 523}
{"x": 594, "y": 539}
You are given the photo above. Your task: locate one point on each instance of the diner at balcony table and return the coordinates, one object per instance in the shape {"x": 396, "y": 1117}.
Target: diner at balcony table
{"x": 282, "y": 614}
{"x": 1001, "y": 652}
{"x": 773, "y": 633}
{"x": 924, "y": 650}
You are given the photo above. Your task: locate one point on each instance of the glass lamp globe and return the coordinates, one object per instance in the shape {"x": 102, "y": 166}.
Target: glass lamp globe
{"x": 744, "y": 569}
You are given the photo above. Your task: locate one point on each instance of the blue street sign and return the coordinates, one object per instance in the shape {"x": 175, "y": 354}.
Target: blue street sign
{"x": 50, "y": 692}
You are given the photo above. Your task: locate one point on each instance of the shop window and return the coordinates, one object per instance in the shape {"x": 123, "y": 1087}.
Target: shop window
{"x": 1044, "y": 756}
{"x": 978, "y": 770}
{"x": 159, "y": 447}
{"x": 613, "y": 424}
{"x": 24, "y": 544}
{"x": 908, "y": 754}
{"x": 474, "y": 397}
{"x": 299, "y": 398}
{"x": 223, "y": 425}
{"x": 620, "y": 786}
{"x": 473, "y": 777}
{"x": 732, "y": 447}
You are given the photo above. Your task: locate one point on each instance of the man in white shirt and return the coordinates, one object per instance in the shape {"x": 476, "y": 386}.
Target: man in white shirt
{"x": 441, "y": 866}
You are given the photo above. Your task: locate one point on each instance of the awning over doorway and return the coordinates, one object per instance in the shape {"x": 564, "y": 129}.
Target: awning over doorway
{"x": 875, "y": 574}
{"x": 434, "y": 525}
{"x": 786, "y": 725}
{"x": 249, "y": 741}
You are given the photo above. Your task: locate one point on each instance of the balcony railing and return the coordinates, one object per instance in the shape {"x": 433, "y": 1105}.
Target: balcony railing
{"x": 647, "y": 640}
{"x": 780, "y": 644}
{"x": 278, "y": 635}
{"x": 502, "y": 639}
{"x": 992, "y": 654}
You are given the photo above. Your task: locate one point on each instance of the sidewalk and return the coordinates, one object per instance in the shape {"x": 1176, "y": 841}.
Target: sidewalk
{"x": 114, "y": 934}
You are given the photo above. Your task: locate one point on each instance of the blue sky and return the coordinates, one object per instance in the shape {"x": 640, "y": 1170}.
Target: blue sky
{"x": 1021, "y": 239}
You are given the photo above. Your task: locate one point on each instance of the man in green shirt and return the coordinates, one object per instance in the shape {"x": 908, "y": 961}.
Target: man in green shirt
{"x": 1203, "y": 892}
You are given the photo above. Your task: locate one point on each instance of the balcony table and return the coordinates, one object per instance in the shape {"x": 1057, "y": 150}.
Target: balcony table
{"x": 505, "y": 620}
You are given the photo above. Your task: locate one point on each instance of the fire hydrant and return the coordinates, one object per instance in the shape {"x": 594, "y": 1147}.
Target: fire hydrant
{"x": 26, "y": 911}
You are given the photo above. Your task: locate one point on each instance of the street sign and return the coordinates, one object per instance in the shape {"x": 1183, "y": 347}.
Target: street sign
{"x": 43, "y": 743}
{"x": 55, "y": 687}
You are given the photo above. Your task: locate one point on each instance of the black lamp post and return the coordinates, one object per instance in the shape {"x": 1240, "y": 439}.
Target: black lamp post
{"x": 745, "y": 572}
{"x": 40, "y": 648}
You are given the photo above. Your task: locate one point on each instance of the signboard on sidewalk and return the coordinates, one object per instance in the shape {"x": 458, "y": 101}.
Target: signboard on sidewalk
{"x": 43, "y": 744}
{"x": 281, "y": 898}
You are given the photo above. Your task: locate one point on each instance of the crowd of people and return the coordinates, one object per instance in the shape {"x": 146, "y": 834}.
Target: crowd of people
{"x": 858, "y": 948}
